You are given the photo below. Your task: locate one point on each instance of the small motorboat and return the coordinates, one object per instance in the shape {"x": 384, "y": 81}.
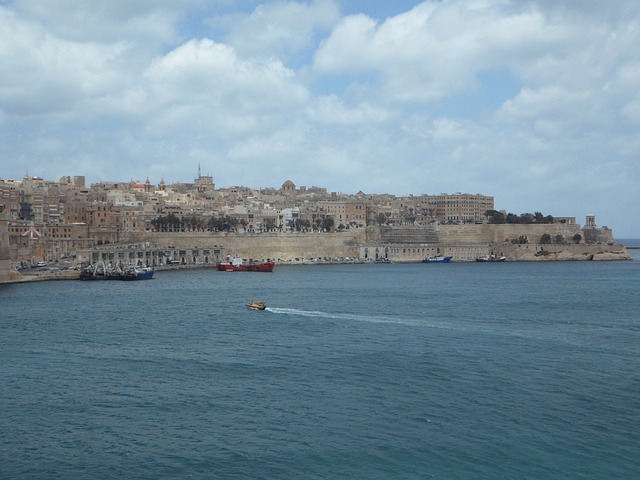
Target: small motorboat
{"x": 257, "y": 305}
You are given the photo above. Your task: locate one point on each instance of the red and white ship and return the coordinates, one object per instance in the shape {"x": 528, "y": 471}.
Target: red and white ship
{"x": 237, "y": 264}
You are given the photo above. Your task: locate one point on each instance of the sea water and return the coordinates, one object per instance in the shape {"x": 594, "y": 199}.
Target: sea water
{"x": 421, "y": 371}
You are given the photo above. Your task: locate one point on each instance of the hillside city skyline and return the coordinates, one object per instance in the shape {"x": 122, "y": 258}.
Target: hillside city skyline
{"x": 57, "y": 220}
{"x": 66, "y": 216}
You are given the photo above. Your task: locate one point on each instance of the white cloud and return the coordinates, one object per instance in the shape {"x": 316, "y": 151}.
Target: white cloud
{"x": 44, "y": 74}
{"x": 204, "y": 86}
{"x": 331, "y": 110}
{"x": 110, "y": 21}
{"x": 279, "y": 29}
{"x": 435, "y": 49}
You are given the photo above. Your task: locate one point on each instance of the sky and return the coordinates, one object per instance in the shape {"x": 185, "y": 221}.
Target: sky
{"x": 536, "y": 102}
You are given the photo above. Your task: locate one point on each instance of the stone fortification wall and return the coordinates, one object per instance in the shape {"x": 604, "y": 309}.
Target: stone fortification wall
{"x": 404, "y": 243}
{"x": 5, "y": 265}
{"x": 470, "y": 241}
{"x": 400, "y": 244}
{"x": 537, "y": 253}
{"x": 280, "y": 246}
{"x": 490, "y": 234}
{"x": 597, "y": 235}
{"x": 474, "y": 234}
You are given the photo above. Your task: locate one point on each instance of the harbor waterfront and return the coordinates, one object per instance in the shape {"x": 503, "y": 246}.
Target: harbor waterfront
{"x": 461, "y": 370}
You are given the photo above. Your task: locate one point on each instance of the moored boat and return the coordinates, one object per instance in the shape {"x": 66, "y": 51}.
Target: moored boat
{"x": 439, "y": 259}
{"x": 237, "y": 264}
{"x": 138, "y": 273}
{"x": 101, "y": 271}
{"x": 491, "y": 258}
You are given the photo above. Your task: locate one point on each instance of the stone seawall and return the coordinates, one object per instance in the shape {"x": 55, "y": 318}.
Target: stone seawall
{"x": 405, "y": 243}
{"x": 541, "y": 253}
{"x": 6, "y": 274}
{"x": 470, "y": 241}
{"x": 279, "y": 246}
{"x": 399, "y": 244}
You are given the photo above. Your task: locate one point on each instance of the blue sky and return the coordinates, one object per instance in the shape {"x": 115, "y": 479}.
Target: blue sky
{"x": 535, "y": 102}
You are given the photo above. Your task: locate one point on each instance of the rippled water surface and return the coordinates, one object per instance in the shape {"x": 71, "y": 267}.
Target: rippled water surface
{"x": 466, "y": 371}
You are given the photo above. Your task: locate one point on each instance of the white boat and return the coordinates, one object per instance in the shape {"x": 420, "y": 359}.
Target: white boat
{"x": 491, "y": 258}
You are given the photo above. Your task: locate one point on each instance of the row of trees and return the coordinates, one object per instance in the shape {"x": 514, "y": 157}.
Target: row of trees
{"x": 546, "y": 239}
{"x": 174, "y": 223}
{"x": 227, "y": 223}
{"x": 526, "y": 218}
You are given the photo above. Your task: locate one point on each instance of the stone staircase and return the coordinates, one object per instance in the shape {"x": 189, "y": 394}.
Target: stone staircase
{"x": 409, "y": 234}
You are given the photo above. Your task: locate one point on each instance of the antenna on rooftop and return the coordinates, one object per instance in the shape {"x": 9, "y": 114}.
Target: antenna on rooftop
{"x": 199, "y": 170}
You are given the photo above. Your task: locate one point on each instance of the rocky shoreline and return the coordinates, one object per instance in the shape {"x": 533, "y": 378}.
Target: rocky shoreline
{"x": 546, "y": 253}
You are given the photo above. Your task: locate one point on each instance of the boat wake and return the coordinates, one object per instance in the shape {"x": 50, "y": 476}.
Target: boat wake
{"x": 423, "y": 322}
{"x": 339, "y": 316}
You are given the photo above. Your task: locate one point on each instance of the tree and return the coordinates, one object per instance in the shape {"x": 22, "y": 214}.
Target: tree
{"x": 559, "y": 239}
{"x": 191, "y": 223}
{"x": 527, "y": 218}
{"x": 410, "y": 218}
{"x": 494, "y": 216}
{"x": 577, "y": 238}
{"x": 304, "y": 223}
{"x": 170, "y": 223}
{"x": 270, "y": 224}
{"x": 294, "y": 224}
{"x": 328, "y": 223}
{"x": 174, "y": 223}
{"x": 381, "y": 218}
{"x": 545, "y": 239}
{"x": 512, "y": 218}
{"x": 231, "y": 223}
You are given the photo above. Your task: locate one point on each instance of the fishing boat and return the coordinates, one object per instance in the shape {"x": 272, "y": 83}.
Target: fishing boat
{"x": 257, "y": 305}
{"x": 138, "y": 273}
{"x": 101, "y": 271}
{"x": 491, "y": 258}
{"x": 237, "y": 264}
{"x": 383, "y": 260}
{"x": 439, "y": 259}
